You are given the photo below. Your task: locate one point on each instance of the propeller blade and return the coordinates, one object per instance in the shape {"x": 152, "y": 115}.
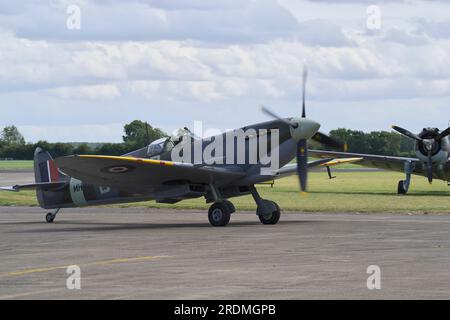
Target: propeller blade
{"x": 443, "y": 134}
{"x": 328, "y": 141}
{"x": 302, "y": 163}
{"x": 305, "y": 78}
{"x": 430, "y": 169}
{"x": 407, "y": 133}
{"x": 274, "y": 115}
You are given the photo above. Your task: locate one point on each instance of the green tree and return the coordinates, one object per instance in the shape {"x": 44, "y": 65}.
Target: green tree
{"x": 407, "y": 147}
{"x": 82, "y": 149}
{"x": 138, "y": 134}
{"x": 60, "y": 149}
{"x": 384, "y": 143}
{"x": 356, "y": 140}
{"x": 376, "y": 142}
{"x": 11, "y": 136}
{"x": 113, "y": 149}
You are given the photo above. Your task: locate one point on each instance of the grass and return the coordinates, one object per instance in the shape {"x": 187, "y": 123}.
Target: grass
{"x": 23, "y": 198}
{"x": 349, "y": 192}
{"x": 16, "y": 165}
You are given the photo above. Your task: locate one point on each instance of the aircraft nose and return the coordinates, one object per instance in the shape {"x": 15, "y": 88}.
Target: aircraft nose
{"x": 306, "y": 129}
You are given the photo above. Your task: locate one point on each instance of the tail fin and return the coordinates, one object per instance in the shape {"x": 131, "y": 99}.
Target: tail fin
{"x": 45, "y": 171}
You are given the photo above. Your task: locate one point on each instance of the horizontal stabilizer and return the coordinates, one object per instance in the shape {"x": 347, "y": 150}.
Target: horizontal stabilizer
{"x": 44, "y": 186}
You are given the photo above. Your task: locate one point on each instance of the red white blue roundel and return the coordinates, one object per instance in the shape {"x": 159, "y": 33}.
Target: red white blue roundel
{"x": 118, "y": 169}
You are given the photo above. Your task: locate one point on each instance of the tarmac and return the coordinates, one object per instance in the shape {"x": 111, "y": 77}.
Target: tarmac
{"x": 167, "y": 254}
{"x": 13, "y": 177}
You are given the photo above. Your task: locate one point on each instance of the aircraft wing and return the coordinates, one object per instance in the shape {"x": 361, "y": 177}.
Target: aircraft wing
{"x": 142, "y": 175}
{"x": 291, "y": 169}
{"x": 371, "y": 161}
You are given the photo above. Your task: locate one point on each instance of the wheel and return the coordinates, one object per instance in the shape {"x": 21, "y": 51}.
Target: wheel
{"x": 401, "y": 187}
{"x": 230, "y": 205}
{"x": 271, "y": 218}
{"x": 219, "y": 214}
{"x": 50, "y": 217}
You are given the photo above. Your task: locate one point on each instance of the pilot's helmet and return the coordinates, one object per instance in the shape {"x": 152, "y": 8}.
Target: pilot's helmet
{"x": 179, "y": 134}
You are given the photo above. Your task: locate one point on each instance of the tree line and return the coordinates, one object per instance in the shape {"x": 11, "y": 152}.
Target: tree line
{"x": 375, "y": 142}
{"x": 138, "y": 134}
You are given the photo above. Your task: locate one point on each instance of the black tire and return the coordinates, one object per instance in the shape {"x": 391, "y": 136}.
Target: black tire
{"x": 401, "y": 188}
{"x": 219, "y": 214}
{"x": 230, "y": 205}
{"x": 49, "y": 217}
{"x": 273, "y": 218}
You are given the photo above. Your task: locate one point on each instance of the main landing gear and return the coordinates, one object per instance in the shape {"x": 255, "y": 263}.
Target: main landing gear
{"x": 403, "y": 185}
{"x": 219, "y": 213}
{"x": 268, "y": 211}
{"x": 50, "y": 217}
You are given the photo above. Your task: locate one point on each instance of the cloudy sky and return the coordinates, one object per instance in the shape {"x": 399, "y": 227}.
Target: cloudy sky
{"x": 172, "y": 62}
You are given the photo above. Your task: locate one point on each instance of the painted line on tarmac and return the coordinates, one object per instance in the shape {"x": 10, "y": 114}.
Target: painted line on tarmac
{"x": 26, "y": 294}
{"x": 94, "y": 263}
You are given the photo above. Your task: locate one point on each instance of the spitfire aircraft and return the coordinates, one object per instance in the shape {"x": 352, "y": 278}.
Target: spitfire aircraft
{"x": 151, "y": 173}
{"x": 432, "y": 150}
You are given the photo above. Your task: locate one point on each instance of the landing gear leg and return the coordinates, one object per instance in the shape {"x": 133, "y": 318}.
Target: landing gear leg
{"x": 50, "y": 217}
{"x": 403, "y": 185}
{"x": 268, "y": 211}
{"x": 330, "y": 174}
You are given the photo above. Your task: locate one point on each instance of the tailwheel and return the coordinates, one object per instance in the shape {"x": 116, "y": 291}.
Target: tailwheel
{"x": 49, "y": 217}
{"x": 219, "y": 213}
{"x": 272, "y": 217}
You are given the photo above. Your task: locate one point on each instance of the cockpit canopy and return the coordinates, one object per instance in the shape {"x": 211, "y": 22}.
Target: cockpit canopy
{"x": 157, "y": 147}
{"x": 164, "y": 145}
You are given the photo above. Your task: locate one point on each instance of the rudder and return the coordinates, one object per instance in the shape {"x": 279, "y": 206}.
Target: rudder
{"x": 45, "y": 170}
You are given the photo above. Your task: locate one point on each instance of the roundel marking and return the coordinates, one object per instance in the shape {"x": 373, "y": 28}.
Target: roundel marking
{"x": 118, "y": 169}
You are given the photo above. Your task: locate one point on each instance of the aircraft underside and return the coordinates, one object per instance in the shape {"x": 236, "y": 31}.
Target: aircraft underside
{"x": 76, "y": 194}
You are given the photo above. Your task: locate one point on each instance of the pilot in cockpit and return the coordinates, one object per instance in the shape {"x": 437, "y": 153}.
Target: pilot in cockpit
{"x": 165, "y": 145}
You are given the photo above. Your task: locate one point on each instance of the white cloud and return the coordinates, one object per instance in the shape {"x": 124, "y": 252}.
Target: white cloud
{"x": 439, "y": 29}
{"x": 235, "y": 21}
{"x": 185, "y": 61}
{"x": 84, "y": 133}
{"x": 93, "y": 92}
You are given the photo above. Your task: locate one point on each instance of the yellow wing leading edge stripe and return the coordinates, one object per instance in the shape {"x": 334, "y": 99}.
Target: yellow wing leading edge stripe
{"x": 171, "y": 163}
{"x": 132, "y": 159}
{"x": 335, "y": 162}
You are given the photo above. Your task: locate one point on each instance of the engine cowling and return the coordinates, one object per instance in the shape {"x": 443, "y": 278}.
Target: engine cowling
{"x": 439, "y": 147}
{"x": 432, "y": 147}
